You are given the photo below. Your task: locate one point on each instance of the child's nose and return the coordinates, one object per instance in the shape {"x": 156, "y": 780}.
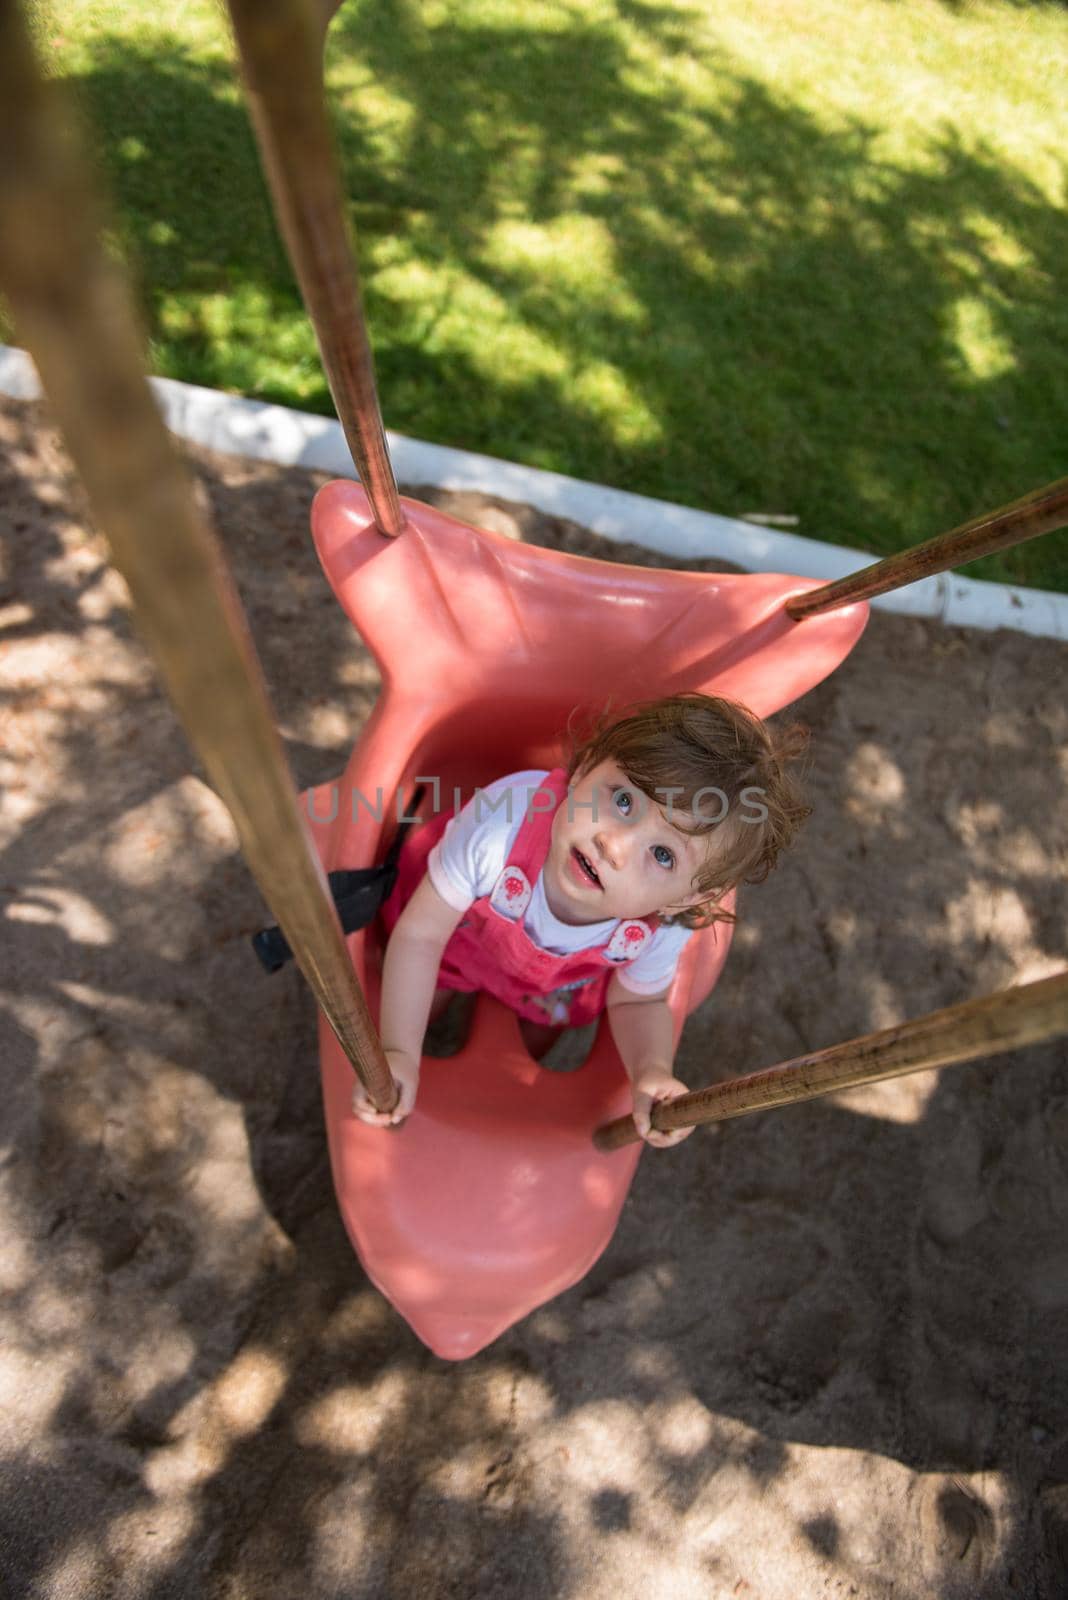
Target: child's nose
{"x": 612, "y": 846}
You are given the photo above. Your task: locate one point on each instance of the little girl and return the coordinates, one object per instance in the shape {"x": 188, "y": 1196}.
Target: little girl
{"x": 566, "y": 893}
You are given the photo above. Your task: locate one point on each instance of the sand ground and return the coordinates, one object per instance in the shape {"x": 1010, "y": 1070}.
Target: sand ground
{"x": 827, "y": 1352}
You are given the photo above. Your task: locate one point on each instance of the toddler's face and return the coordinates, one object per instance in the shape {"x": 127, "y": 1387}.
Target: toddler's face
{"x": 615, "y": 854}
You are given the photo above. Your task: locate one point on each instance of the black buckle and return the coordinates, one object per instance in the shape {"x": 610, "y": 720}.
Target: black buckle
{"x": 358, "y": 894}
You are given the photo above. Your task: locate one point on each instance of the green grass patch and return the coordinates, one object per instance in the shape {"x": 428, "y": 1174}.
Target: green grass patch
{"x": 807, "y": 257}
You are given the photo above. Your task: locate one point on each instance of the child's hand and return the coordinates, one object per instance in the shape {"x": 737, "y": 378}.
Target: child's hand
{"x": 655, "y": 1084}
{"x": 405, "y": 1070}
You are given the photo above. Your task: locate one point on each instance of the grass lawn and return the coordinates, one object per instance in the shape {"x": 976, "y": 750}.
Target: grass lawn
{"x": 805, "y": 257}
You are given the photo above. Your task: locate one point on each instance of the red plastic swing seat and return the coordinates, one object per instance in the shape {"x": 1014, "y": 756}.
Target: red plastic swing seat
{"x": 491, "y": 1198}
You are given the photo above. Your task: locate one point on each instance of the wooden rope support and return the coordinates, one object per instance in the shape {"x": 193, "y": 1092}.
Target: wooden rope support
{"x": 1039, "y": 512}
{"x": 281, "y": 48}
{"x": 1007, "y": 1020}
{"x": 73, "y": 312}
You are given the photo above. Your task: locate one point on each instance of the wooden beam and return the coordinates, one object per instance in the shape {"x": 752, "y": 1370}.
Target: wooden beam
{"x": 1027, "y": 518}
{"x": 281, "y": 48}
{"x": 73, "y": 312}
{"x": 1007, "y": 1020}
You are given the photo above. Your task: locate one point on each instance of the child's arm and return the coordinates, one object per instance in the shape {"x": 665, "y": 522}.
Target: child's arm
{"x": 409, "y": 978}
{"x": 642, "y": 1029}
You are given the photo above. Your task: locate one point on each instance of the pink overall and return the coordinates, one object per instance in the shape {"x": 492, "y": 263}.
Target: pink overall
{"x": 492, "y": 950}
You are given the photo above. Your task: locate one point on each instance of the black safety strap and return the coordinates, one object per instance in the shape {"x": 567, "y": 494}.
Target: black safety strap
{"x": 358, "y": 895}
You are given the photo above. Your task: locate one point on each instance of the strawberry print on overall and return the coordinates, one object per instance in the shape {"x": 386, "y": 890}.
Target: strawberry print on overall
{"x": 511, "y": 893}
{"x": 628, "y": 941}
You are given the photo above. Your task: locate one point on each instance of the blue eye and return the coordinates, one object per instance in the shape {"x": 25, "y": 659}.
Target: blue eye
{"x": 623, "y": 801}
{"x": 663, "y": 856}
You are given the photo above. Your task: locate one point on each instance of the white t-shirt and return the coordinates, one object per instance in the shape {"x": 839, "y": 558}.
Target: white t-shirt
{"x": 472, "y": 853}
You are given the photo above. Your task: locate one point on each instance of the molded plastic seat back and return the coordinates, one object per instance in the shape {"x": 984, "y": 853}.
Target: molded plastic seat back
{"x": 490, "y": 1199}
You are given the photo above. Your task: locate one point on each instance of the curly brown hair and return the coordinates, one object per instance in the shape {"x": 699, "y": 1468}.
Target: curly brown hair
{"x": 689, "y": 743}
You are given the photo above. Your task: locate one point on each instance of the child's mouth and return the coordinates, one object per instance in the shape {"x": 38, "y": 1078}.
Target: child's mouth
{"x": 584, "y": 870}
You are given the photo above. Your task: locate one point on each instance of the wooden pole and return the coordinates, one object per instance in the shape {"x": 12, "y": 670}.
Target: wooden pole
{"x": 281, "y": 48}
{"x": 1036, "y": 513}
{"x": 73, "y": 312}
{"x": 1007, "y": 1020}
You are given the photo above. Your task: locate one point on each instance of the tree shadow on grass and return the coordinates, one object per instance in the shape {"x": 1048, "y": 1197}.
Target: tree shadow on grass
{"x": 783, "y": 319}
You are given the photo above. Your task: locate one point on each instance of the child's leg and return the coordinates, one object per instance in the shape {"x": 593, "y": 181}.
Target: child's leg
{"x": 539, "y": 1037}
{"x": 449, "y": 1022}
{"x": 439, "y": 1002}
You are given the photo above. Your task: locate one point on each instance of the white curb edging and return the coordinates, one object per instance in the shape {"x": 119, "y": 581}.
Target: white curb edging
{"x": 295, "y": 438}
